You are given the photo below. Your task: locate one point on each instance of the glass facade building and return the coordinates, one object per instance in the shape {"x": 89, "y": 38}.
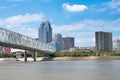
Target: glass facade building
{"x": 45, "y": 32}
{"x": 56, "y": 45}
{"x": 57, "y": 42}
{"x": 57, "y": 38}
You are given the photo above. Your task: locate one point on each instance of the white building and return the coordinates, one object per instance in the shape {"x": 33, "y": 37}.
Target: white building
{"x": 116, "y": 45}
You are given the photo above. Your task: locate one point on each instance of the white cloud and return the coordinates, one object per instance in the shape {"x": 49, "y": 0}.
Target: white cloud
{"x": 113, "y": 6}
{"x": 8, "y": 26}
{"x": 101, "y": 10}
{"x": 31, "y": 32}
{"x": 21, "y": 19}
{"x": 46, "y": 0}
{"x": 24, "y": 24}
{"x": 67, "y": 28}
{"x": 3, "y": 7}
{"x": 86, "y": 25}
{"x": 1, "y": 22}
{"x": 15, "y": 0}
{"x": 8, "y": 7}
{"x": 74, "y": 8}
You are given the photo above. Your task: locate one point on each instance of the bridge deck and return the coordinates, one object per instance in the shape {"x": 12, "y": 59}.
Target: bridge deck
{"x": 16, "y": 40}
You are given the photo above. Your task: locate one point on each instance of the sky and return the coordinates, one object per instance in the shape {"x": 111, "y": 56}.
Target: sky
{"x": 71, "y": 18}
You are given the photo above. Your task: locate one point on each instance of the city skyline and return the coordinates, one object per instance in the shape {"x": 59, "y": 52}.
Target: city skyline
{"x": 71, "y": 18}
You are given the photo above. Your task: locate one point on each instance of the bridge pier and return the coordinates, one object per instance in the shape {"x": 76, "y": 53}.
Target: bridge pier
{"x": 25, "y": 56}
{"x": 35, "y": 55}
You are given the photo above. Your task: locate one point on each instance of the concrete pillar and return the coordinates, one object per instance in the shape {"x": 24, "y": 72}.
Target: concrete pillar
{"x": 25, "y": 56}
{"x": 35, "y": 55}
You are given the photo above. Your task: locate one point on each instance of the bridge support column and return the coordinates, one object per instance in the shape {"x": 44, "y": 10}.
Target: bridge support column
{"x": 35, "y": 55}
{"x": 25, "y": 56}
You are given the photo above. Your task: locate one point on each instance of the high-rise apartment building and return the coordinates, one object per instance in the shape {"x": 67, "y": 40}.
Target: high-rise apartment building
{"x": 67, "y": 43}
{"x": 45, "y": 32}
{"x": 103, "y": 41}
{"x": 116, "y": 45}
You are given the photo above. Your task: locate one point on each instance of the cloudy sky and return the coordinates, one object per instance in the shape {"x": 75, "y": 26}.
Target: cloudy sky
{"x": 74, "y": 18}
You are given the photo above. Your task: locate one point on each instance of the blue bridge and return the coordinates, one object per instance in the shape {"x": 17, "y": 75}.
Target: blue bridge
{"x": 15, "y": 40}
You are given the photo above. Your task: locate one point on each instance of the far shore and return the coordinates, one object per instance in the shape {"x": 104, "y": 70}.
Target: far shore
{"x": 86, "y": 58}
{"x": 64, "y": 58}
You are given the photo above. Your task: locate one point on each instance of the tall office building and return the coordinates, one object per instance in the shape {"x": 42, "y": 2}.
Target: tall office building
{"x": 103, "y": 41}
{"x": 57, "y": 38}
{"x": 56, "y": 45}
{"x": 57, "y": 42}
{"x": 116, "y": 45}
{"x": 67, "y": 43}
{"x": 45, "y": 32}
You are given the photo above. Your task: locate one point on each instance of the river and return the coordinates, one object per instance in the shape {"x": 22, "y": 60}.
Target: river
{"x": 61, "y": 70}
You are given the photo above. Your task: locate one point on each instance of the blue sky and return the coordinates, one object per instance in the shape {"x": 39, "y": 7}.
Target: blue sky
{"x": 74, "y": 18}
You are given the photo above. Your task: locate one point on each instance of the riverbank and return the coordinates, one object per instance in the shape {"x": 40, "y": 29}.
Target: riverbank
{"x": 20, "y": 59}
{"x": 65, "y": 58}
{"x": 86, "y": 58}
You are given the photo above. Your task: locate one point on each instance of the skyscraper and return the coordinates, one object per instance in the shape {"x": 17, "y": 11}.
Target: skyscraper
{"x": 67, "y": 43}
{"x": 57, "y": 38}
{"x": 58, "y": 41}
{"x": 45, "y": 32}
{"x": 56, "y": 45}
{"x": 103, "y": 41}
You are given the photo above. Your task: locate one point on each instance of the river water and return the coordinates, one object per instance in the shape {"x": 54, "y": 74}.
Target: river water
{"x": 61, "y": 70}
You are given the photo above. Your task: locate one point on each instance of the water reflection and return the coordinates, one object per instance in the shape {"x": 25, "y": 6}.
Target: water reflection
{"x": 65, "y": 70}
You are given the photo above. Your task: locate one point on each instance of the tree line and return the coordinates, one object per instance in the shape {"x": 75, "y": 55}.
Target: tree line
{"x": 85, "y": 54}
{"x": 65, "y": 54}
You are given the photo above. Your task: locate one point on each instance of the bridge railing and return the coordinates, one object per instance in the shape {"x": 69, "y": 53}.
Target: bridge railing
{"x": 10, "y": 37}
